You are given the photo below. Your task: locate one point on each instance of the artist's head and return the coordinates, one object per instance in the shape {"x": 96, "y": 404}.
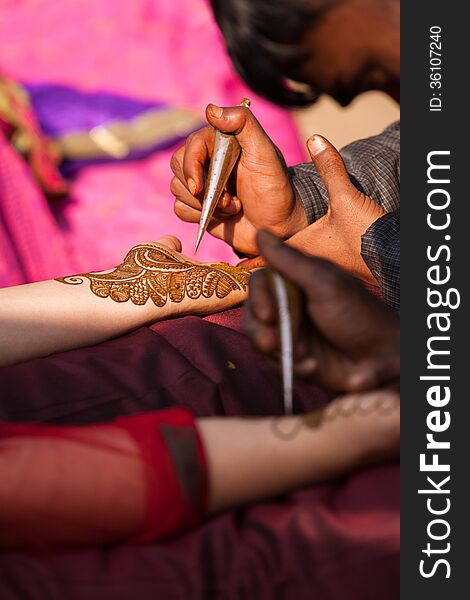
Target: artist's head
{"x": 335, "y": 47}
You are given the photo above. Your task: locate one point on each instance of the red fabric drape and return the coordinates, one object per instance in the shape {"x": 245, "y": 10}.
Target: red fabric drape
{"x": 140, "y": 477}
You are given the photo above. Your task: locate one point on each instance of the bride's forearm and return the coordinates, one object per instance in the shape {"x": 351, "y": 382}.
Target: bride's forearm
{"x": 107, "y": 483}
{"x": 43, "y": 318}
{"x": 153, "y": 283}
{"x": 255, "y": 459}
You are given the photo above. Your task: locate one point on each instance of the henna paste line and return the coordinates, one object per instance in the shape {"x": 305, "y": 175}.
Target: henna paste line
{"x": 155, "y": 272}
{"x": 384, "y": 405}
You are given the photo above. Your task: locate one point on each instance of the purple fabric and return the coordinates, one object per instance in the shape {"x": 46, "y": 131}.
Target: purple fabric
{"x": 330, "y": 542}
{"x": 60, "y": 109}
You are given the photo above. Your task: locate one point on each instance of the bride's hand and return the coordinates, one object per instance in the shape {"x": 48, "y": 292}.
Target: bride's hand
{"x": 154, "y": 282}
{"x": 158, "y": 275}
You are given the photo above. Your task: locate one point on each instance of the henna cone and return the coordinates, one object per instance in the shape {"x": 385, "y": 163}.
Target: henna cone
{"x": 224, "y": 157}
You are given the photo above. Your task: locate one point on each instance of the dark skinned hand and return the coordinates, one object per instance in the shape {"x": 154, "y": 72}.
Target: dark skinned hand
{"x": 347, "y": 339}
{"x": 259, "y": 194}
{"x": 337, "y": 235}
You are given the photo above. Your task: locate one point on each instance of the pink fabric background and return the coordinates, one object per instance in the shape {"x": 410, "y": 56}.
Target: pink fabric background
{"x": 168, "y": 50}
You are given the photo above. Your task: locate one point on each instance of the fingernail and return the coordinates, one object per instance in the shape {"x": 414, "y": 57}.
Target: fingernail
{"x": 216, "y": 111}
{"x": 266, "y": 238}
{"x": 225, "y": 200}
{"x": 192, "y": 186}
{"x": 316, "y": 144}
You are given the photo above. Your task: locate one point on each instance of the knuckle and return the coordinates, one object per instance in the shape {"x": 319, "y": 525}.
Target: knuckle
{"x": 201, "y": 135}
{"x": 249, "y": 320}
{"x": 179, "y": 209}
{"x": 174, "y": 186}
{"x": 264, "y": 340}
{"x": 196, "y": 138}
{"x": 175, "y": 162}
{"x": 190, "y": 138}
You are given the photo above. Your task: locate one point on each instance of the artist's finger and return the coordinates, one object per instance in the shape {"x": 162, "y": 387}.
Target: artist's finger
{"x": 336, "y": 371}
{"x": 231, "y": 208}
{"x": 181, "y": 194}
{"x": 176, "y": 164}
{"x": 252, "y": 263}
{"x": 186, "y": 213}
{"x": 196, "y": 156}
{"x": 171, "y": 242}
{"x": 306, "y": 367}
{"x": 240, "y": 121}
{"x": 229, "y": 204}
{"x": 224, "y": 200}
{"x": 374, "y": 373}
{"x": 263, "y": 336}
{"x": 191, "y": 215}
{"x": 331, "y": 168}
{"x": 262, "y": 303}
{"x": 311, "y": 354}
{"x": 333, "y": 295}
{"x": 326, "y": 367}
{"x": 328, "y": 288}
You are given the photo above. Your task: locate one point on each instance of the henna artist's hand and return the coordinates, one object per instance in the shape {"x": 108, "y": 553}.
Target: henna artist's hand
{"x": 337, "y": 235}
{"x": 347, "y": 340}
{"x": 260, "y": 193}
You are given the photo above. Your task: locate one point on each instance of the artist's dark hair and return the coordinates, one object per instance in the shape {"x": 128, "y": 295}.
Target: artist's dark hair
{"x": 264, "y": 41}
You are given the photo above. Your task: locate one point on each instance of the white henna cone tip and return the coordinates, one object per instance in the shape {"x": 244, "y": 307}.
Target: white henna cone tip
{"x": 200, "y": 233}
{"x": 225, "y": 155}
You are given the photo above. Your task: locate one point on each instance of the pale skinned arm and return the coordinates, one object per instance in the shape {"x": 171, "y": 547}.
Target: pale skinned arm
{"x": 43, "y": 318}
{"x": 248, "y": 460}
{"x": 255, "y": 459}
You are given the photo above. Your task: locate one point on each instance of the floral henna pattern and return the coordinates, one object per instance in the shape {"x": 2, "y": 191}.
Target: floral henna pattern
{"x": 155, "y": 272}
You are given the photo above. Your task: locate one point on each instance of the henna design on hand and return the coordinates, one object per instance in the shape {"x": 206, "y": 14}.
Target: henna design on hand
{"x": 156, "y": 272}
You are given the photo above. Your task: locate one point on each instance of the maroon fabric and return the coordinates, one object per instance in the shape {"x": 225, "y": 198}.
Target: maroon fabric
{"x": 177, "y": 491}
{"x": 334, "y": 541}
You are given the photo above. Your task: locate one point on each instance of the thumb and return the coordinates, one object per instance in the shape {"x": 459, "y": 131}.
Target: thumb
{"x": 170, "y": 241}
{"x": 240, "y": 121}
{"x": 331, "y": 168}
